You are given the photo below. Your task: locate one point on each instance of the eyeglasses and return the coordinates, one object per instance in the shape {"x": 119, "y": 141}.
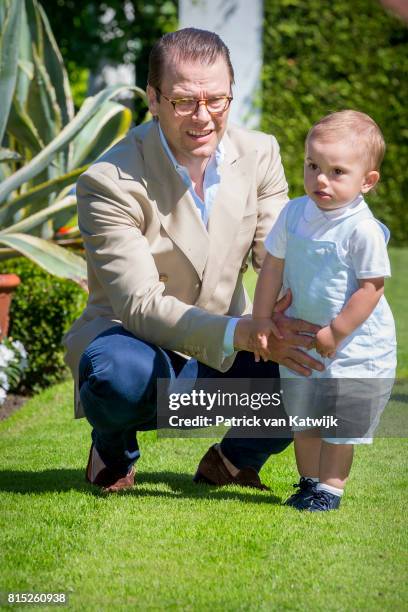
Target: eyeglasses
{"x": 183, "y": 107}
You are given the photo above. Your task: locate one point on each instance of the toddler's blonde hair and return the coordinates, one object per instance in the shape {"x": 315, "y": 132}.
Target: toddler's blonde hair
{"x": 360, "y": 128}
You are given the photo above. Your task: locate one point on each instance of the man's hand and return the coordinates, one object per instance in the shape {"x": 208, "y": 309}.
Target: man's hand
{"x": 286, "y": 351}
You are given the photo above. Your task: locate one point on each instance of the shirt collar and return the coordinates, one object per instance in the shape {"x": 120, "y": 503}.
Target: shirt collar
{"x": 312, "y": 211}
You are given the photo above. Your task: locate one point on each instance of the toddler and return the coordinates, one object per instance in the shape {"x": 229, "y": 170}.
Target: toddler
{"x": 328, "y": 248}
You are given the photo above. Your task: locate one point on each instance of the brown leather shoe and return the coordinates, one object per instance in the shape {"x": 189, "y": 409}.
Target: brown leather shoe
{"x": 212, "y": 470}
{"x": 108, "y": 480}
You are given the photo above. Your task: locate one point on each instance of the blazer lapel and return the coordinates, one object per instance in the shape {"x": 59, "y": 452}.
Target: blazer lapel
{"x": 175, "y": 205}
{"x": 226, "y": 215}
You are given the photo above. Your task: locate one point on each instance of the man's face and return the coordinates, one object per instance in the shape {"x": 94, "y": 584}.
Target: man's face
{"x": 193, "y": 138}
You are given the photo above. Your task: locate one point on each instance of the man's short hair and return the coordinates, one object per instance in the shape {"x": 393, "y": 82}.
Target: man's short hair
{"x": 359, "y": 128}
{"x": 186, "y": 45}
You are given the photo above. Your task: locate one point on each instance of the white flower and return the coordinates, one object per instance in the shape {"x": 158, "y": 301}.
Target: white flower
{"x": 2, "y": 396}
{"x": 6, "y": 355}
{"x": 4, "y": 383}
{"x": 19, "y": 346}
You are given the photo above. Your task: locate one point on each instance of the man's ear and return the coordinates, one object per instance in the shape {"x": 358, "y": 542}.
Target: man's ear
{"x": 152, "y": 100}
{"x": 370, "y": 181}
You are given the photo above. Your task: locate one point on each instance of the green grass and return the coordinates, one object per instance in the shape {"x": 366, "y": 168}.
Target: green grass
{"x": 396, "y": 291}
{"x": 171, "y": 545}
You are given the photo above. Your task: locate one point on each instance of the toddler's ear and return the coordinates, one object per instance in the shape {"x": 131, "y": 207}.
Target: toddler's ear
{"x": 370, "y": 180}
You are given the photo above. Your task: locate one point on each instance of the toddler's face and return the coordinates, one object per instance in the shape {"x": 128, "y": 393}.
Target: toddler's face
{"x": 335, "y": 173}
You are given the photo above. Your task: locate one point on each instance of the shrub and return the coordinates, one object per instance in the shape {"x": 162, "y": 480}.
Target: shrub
{"x": 323, "y": 57}
{"x": 42, "y": 309}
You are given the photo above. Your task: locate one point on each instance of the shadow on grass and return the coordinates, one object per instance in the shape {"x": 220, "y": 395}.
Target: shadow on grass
{"x": 181, "y": 486}
{"x": 400, "y": 397}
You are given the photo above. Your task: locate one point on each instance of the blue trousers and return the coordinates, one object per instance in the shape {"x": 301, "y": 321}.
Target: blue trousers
{"x": 117, "y": 382}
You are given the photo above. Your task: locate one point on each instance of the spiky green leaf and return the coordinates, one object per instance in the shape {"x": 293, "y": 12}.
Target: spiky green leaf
{"x": 49, "y": 256}
{"x": 41, "y": 161}
{"x": 56, "y": 70}
{"x": 41, "y": 216}
{"x": 38, "y": 193}
{"x": 107, "y": 126}
{"x": 9, "y": 46}
{"x": 42, "y": 102}
{"x": 7, "y": 155}
{"x": 25, "y": 63}
{"x": 21, "y": 126}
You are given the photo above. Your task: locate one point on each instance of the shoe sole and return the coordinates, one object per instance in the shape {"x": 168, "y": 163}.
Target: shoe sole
{"x": 88, "y": 465}
{"x": 199, "y": 478}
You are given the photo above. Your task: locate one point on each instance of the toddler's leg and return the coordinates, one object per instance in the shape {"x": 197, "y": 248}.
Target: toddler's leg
{"x": 307, "y": 450}
{"x": 335, "y": 464}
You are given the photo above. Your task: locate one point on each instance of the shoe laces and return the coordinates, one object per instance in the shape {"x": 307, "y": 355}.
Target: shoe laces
{"x": 304, "y": 483}
{"x": 322, "y": 500}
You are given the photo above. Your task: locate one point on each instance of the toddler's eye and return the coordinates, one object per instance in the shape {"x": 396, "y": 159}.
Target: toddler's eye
{"x": 312, "y": 166}
{"x": 338, "y": 171}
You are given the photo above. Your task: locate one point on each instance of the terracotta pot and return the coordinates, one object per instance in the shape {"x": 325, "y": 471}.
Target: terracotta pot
{"x": 8, "y": 282}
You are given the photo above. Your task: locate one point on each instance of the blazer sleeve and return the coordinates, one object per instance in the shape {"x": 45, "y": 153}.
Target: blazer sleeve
{"x": 112, "y": 225}
{"x": 272, "y": 195}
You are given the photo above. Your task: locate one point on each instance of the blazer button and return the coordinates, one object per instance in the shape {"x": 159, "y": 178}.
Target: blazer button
{"x": 163, "y": 278}
{"x": 244, "y": 268}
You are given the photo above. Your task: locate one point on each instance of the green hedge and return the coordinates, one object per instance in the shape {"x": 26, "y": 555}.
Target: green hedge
{"x": 42, "y": 309}
{"x": 321, "y": 57}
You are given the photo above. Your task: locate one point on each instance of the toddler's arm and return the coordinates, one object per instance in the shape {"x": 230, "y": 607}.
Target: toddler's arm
{"x": 266, "y": 294}
{"x": 354, "y": 313}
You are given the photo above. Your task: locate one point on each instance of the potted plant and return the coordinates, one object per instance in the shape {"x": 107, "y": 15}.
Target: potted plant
{"x": 8, "y": 282}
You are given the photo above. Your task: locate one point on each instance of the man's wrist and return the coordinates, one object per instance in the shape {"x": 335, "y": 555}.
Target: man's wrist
{"x": 228, "y": 345}
{"x": 241, "y": 334}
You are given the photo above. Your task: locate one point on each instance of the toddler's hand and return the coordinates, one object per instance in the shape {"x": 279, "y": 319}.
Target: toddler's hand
{"x": 258, "y": 339}
{"x": 326, "y": 343}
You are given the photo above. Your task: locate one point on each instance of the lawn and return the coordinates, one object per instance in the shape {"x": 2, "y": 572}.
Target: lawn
{"x": 171, "y": 545}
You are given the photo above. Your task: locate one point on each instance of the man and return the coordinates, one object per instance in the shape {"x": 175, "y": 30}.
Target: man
{"x": 168, "y": 217}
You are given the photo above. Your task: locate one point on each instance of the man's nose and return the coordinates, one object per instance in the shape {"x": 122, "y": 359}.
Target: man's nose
{"x": 202, "y": 112}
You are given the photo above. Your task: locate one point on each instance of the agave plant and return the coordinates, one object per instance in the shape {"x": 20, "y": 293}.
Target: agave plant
{"x": 44, "y": 145}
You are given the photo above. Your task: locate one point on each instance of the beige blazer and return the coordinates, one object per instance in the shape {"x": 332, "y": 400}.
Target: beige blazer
{"x": 152, "y": 265}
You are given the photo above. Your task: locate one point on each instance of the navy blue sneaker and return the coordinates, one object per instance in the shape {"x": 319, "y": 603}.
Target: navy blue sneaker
{"x": 323, "y": 500}
{"x": 303, "y": 497}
